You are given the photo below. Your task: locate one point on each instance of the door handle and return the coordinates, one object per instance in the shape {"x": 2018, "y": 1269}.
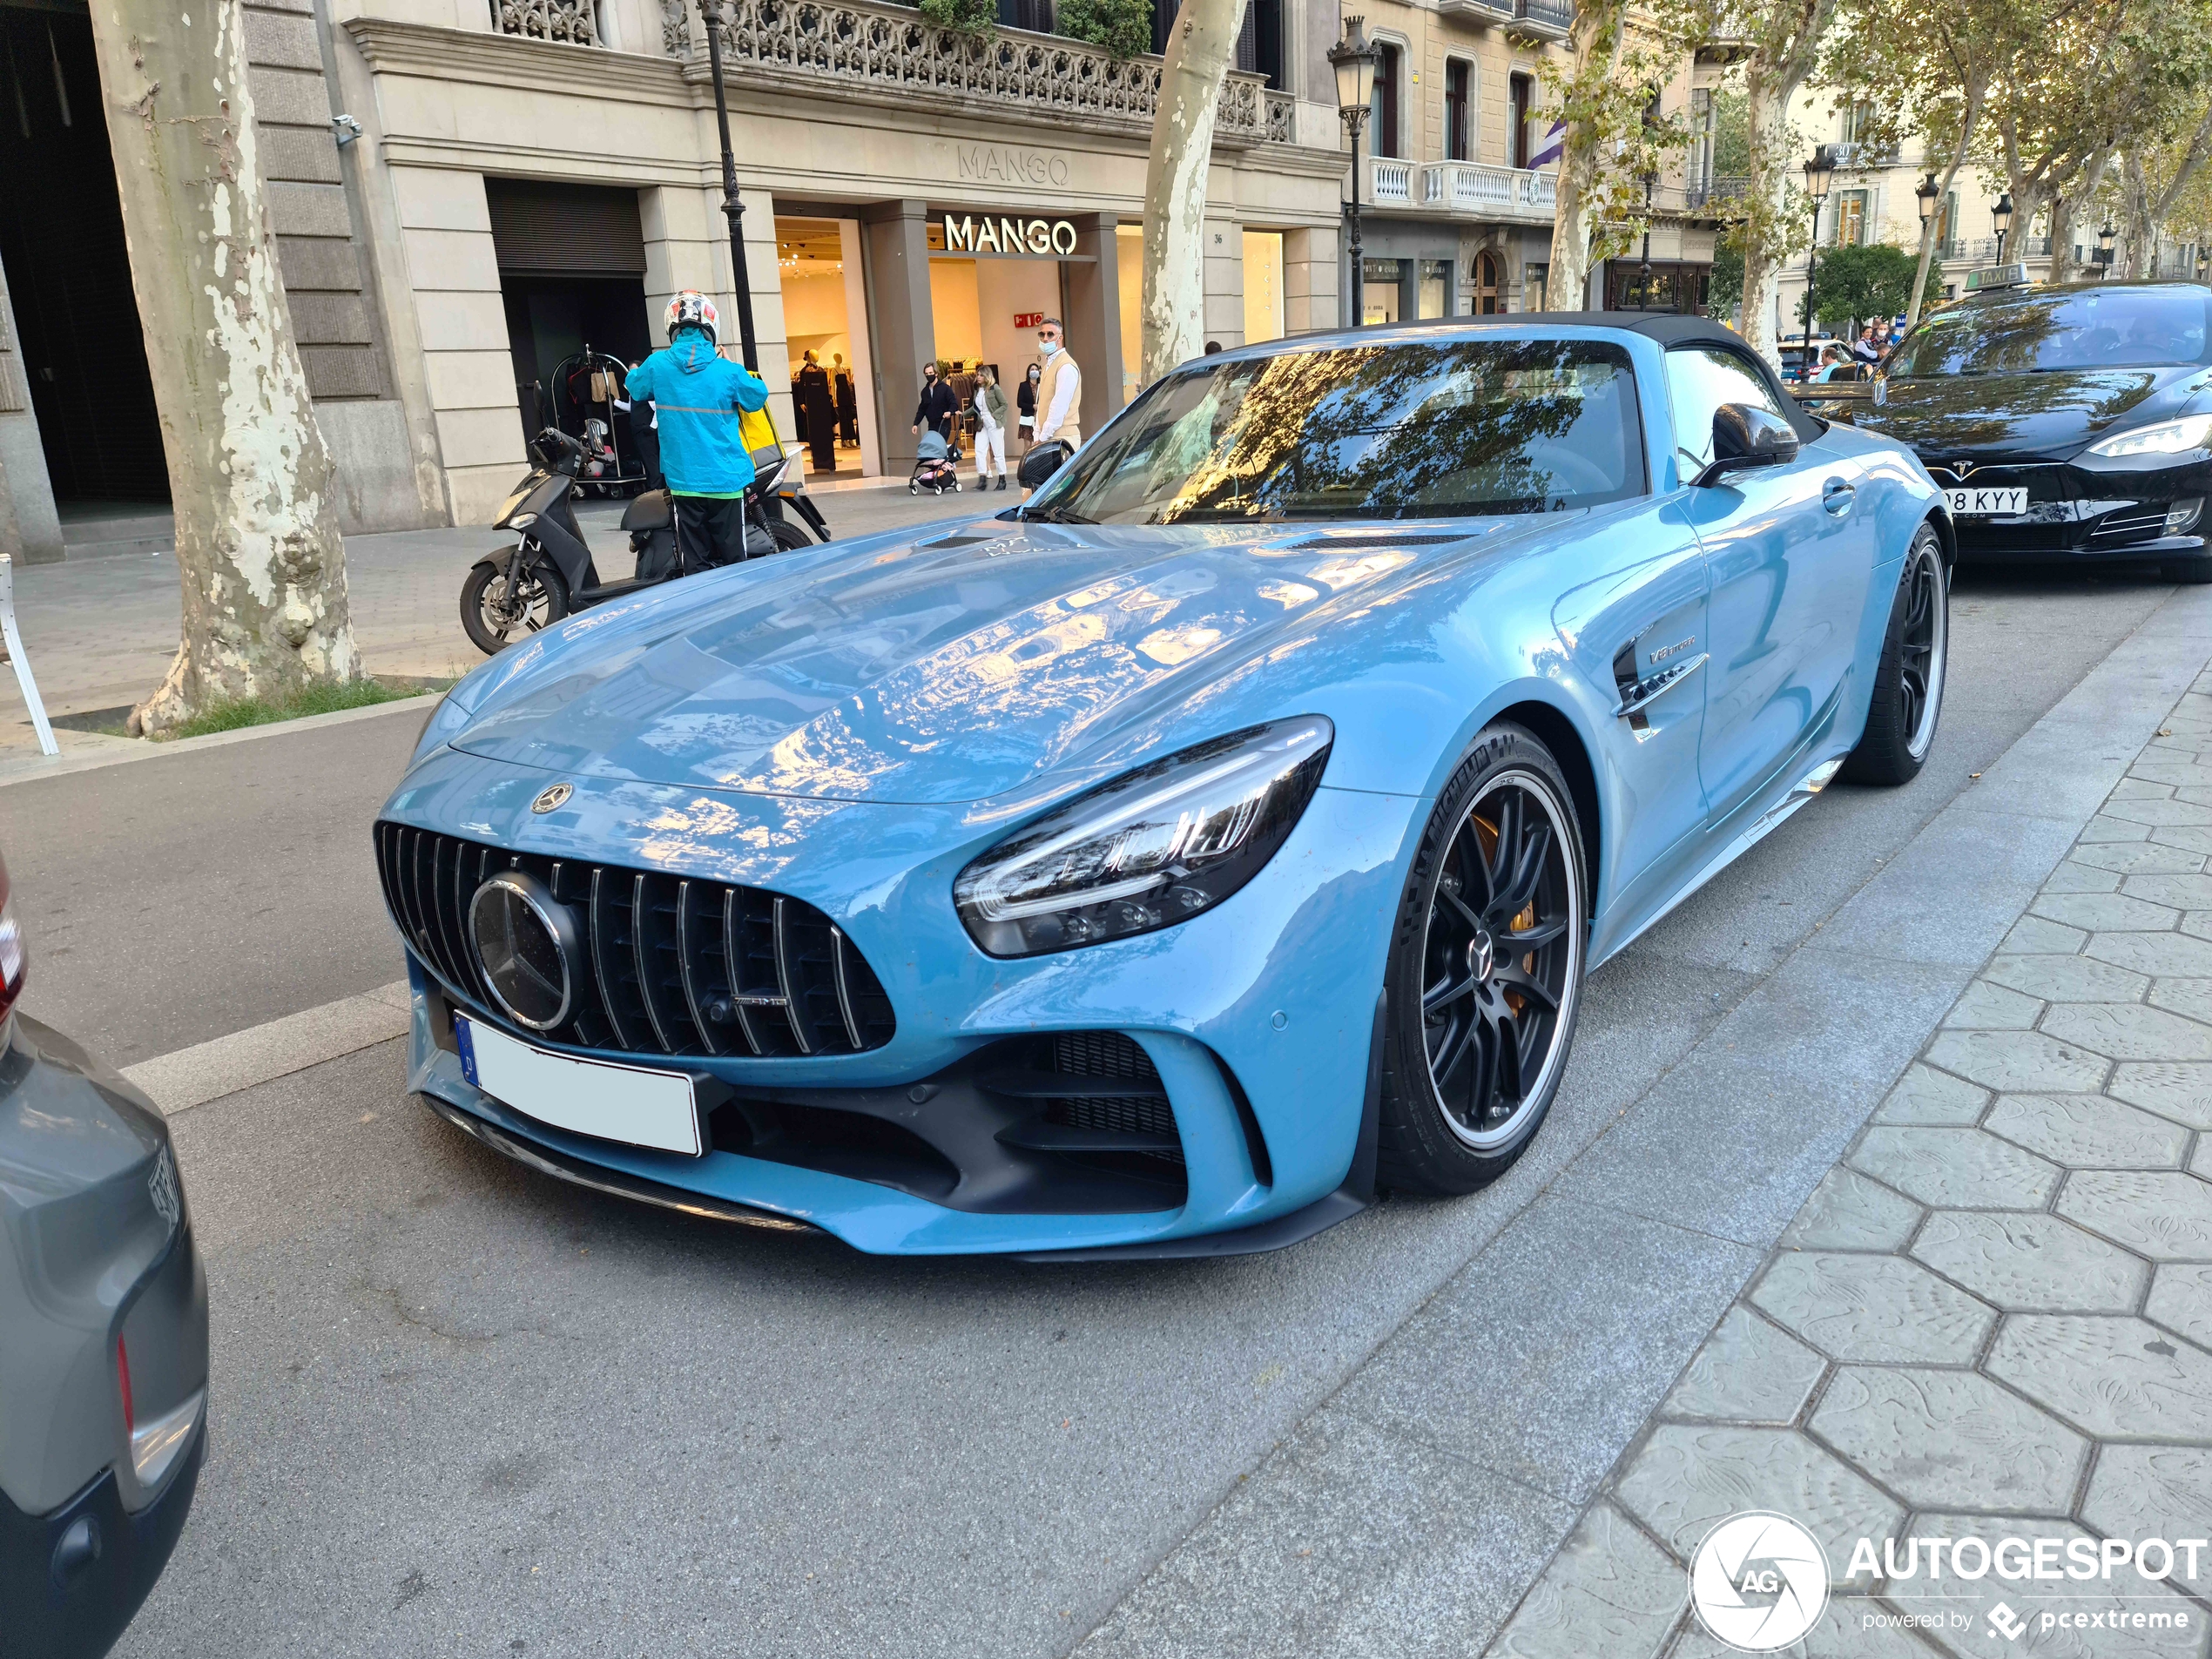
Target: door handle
{"x": 1837, "y": 496}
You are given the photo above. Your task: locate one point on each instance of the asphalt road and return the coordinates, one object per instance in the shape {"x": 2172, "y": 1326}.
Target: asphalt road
{"x": 459, "y": 1409}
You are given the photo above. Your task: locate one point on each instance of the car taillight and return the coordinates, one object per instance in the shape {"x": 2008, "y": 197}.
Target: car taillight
{"x": 123, "y": 1377}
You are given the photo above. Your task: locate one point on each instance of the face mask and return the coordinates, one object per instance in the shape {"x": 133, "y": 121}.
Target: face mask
{"x": 1048, "y": 347}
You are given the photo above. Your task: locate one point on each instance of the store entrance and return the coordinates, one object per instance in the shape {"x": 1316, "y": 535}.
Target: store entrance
{"x": 818, "y": 265}
{"x": 986, "y": 310}
{"x": 69, "y": 271}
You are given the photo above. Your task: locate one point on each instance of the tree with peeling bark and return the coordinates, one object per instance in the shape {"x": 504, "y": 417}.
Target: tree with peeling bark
{"x": 1783, "y": 39}
{"x": 1201, "y": 47}
{"x": 2165, "y": 193}
{"x": 258, "y": 549}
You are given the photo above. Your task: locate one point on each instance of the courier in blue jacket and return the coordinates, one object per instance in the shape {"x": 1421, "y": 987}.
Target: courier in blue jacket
{"x": 697, "y": 395}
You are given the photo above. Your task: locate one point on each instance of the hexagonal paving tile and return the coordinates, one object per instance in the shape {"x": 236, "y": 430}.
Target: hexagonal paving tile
{"x": 2190, "y": 998}
{"x": 2019, "y": 1061}
{"x": 2128, "y": 1031}
{"x": 1872, "y": 1308}
{"x": 2102, "y": 828}
{"x": 2182, "y": 892}
{"x": 1959, "y": 1169}
{"x": 2160, "y": 954}
{"x": 2182, "y": 774}
{"x": 2119, "y": 1379}
{"x": 2069, "y": 979}
{"x": 1608, "y": 1590}
{"x": 2099, "y": 911}
{"x": 2183, "y": 837}
{"x": 2166, "y": 1217}
{"x": 2151, "y": 1492}
{"x": 2132, "y": 858}
{"x": 1926, "y": 1096}
{"x": 2031, "y": 1263}
{"x": 1748, "y": 1371}
{"x": 1689, "y": 1476}
{"x": 2088, "y": 1131}
{"x": 2031, "y": 936}
{"x": 1982, "y": 1006}
{"x": 1848, "y": 1212}
{"x": 2073, "y": 877}
{"x": 2181, "y": 1300}
{"x": 2197, "y": 924}
{"x": 2181, "y": 1092}
{"x": 1951, "y": 1438}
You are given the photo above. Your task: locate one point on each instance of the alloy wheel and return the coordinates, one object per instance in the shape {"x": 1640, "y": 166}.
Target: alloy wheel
{"x": 1923, "y": 647}
{"x": 1501, "y": 959}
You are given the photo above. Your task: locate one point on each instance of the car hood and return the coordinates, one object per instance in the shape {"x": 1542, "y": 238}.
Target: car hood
{"x": 2047, "y": 416}
{"x": 949, "y": 668}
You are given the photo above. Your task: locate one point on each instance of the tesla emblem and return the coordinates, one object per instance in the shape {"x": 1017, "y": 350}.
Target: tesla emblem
{"x": 552, "y": 798}
{"x": 1961, "y": 469}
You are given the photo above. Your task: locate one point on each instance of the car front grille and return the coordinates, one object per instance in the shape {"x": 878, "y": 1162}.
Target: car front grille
{"x": 672, "y": 965}
{"x": 2136, "y": 526}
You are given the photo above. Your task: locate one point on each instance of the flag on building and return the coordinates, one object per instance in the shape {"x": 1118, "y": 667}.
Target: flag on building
{"x": 1554, "y": 143}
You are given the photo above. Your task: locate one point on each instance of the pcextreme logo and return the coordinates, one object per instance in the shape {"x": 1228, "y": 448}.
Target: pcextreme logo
{"x": 1760, "y": 1581}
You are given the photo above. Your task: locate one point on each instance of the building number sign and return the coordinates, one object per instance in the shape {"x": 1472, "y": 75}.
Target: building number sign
{"x": 984, "y": 234}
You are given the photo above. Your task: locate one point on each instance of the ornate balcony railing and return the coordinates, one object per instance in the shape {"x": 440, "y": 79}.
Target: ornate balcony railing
{"x": 1552, "y": 19}
{"x": 1721, "y": 187}
{"x": 1390, "y": 182}
{"x": 573, "y": 21}
{"x": 1484, "y": 191}
{"x": 1282, "y": 118}
{"x": 891, "y": 55}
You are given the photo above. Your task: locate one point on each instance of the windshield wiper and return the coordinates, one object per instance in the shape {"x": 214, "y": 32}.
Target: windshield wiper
{"x": 1053, "y": 515}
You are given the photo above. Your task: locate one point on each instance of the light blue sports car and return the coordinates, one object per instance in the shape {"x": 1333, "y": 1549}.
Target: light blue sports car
{"x": 1160, "y": 868}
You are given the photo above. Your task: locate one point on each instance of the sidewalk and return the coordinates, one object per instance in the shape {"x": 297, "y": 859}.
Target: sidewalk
{"x": 1992, "y": 1318}
{"x": 1595, "y": 1377}
{"x": 100, "y": 631}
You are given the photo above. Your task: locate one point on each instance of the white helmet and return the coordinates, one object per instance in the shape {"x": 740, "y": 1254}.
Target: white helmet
{"x": 695, "y": 308}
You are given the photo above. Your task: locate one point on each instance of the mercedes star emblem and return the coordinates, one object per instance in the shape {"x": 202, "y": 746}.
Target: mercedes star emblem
{"x": 524, "y": 942}
{"x": 552, "y": 798}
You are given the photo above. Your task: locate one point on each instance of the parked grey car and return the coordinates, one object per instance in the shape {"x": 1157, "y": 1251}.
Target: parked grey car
{"x": 102, "y": 1339}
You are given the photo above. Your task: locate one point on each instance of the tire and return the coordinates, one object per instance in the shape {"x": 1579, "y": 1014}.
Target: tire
{"x": 789, "y": 537}
{"x": 1907, "y": 703}
{"x": 492, "y": 623}
{"x": 1463, "y": 1029}
{"x": 2192, "y": 570}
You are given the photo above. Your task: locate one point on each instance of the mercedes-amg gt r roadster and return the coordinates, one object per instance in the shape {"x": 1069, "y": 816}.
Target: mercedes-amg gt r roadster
{"x": 1162, "y": 867}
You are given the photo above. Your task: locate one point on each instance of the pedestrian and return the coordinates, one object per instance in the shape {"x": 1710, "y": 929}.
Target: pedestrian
{"x": 698, "y": 397}
{"x": 1213, "y": 348}
{"x": 1835, "y": 363}
{"x": 848, "y": 403}
{"x": 1025, "y": 407}
{"x": 990, "y": 427}
{"x": 938, "y": 409}
{"x": 820, "y": 409}
{"x": 1863, "y": 347}
{"x": 1060, "y": 389}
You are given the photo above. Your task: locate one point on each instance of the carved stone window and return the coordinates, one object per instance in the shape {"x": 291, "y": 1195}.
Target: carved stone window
{"x": 574, "y": 21}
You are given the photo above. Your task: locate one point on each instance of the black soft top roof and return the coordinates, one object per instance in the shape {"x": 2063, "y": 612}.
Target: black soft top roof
{"x": 1667, "y": 328}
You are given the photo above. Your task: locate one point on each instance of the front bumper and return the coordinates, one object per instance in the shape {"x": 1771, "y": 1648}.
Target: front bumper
{"x": 2112, "y": 513}
{"x": 1254, "y": 1019}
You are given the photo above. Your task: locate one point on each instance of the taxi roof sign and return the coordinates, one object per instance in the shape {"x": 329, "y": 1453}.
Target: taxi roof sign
{"x": 1997, "y": 276}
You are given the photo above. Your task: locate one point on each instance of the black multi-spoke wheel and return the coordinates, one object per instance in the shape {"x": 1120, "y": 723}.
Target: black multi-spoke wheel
{"x": 499, "y": 607}
{"x": 1486, "y": 969}
{"x": 1907, "y": 699}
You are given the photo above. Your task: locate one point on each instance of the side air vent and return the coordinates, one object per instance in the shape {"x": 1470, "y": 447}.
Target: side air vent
{"x": 670, "y": 965}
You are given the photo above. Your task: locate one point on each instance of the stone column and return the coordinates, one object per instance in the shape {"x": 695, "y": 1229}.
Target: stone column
{"x": 1308, "y": 281}
{"x": 1093, "y": 319}
{"x": 903, "y": 331}
{"x": 1225, "y": 279}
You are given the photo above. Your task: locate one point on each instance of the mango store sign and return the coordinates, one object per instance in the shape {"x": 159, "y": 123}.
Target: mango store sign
{"x": 984, "y": 234}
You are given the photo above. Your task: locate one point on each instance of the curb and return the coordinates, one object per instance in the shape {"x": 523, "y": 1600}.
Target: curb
{"x": 260, "y": 1053}
{"x": 90, "y": 751}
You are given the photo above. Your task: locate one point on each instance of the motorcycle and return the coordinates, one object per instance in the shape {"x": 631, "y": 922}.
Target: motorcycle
{"x": 549, "y": 573}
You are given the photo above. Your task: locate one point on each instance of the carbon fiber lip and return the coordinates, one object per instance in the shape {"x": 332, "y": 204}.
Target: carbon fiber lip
{"x": 616, "y": 1184}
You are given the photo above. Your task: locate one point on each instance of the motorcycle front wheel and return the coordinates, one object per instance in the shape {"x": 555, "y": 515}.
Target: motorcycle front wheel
{"x": 498, "y": 607}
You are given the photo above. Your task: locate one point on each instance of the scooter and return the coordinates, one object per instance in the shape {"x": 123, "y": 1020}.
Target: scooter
{"x": 549, "y": 573}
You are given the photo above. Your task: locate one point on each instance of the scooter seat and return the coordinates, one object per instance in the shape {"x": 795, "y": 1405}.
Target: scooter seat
{"x": 649, "y": 511}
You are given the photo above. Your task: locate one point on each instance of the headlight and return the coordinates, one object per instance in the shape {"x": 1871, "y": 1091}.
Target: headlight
{"x": 522, "y": 521}
{"x": 2167, "y": 438}
{"x": 1149, "y": 849}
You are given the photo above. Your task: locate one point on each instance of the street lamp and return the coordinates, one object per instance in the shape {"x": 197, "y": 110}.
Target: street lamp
{"x": 711, "y": 13}
{"x": 1353, "y": 59}
{"x": 1820, "y": 171}
{"x": 2001, "y": 217}
{"x": 1643, "y": 294}
{"x": 2203, "y": 263}
{"x": 1925, "y": 199}
{"x": 2104, "y": 246}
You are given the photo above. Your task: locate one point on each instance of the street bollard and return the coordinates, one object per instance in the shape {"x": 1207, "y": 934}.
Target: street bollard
{"x": 46, "y": 743}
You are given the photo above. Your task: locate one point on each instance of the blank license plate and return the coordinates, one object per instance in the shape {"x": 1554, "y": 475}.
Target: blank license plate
{"x": 1988, "y": 503}
{"x": 627, "y": 1104}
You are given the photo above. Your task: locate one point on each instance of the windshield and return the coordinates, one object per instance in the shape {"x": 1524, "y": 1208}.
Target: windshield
{"x": 2125, "y": 328}
{"x": 1386, "y": 431}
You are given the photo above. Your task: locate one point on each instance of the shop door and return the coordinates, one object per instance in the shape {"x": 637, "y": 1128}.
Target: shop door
{"x": 61, "y": 239}
{"x": 1488, "y": 291}
{"x": 818, "y": 266}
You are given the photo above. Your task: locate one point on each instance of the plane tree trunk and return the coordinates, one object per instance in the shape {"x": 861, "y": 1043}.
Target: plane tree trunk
{"x": 1200, "y": 49}
{"x": 259, "y": 552}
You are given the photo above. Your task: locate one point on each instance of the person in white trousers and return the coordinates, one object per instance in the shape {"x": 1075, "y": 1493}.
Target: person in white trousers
{"x": 990, "y": 428}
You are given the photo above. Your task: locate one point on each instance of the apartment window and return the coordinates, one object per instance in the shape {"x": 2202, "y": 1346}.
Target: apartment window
{"x": 1033, "y": 15}
{"x": 1458, "y": 125}
{"x": 1521, "y": 91}
{"x": 1382, "y": 110}
{"x": 1850, "y": 218}
{"x": 1259, "y": 42}
{"x": 1701, "y": 142}
{"x": 1858, "y": 123}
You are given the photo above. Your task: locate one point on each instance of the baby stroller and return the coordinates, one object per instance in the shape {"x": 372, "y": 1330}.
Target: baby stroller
{"x": 934, "y": 469}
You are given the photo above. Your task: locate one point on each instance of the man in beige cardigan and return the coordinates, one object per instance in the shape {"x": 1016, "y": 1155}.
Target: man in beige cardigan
{"x": 1059, "y": 394}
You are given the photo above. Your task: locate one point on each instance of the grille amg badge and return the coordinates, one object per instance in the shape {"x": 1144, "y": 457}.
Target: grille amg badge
{"x": 552, "y": 798}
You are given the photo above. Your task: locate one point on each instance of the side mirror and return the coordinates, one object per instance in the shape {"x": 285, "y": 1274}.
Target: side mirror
{"x": 1745, "y": 436}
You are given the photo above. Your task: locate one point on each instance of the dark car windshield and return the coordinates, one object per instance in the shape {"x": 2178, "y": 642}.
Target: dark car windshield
{"x": 1386, "y": 431}
{"x": 2123, "y": 328}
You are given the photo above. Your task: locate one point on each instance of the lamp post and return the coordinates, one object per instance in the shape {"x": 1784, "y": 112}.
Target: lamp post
{"x": 1353, "y": 59}
{"x": 1925, "y": 198}
{"x": 1648, "y": 177}
{"x": 2104, "y": 248}
{"x": 711, "y": 13}
{"x": 2001, "y": 217}
{"x": 2203, "y": 263}
{"x": 1820, "y": 171}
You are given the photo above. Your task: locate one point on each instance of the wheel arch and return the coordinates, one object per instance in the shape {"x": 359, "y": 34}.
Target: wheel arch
{"x": 1561, "y": 737}
{"x": 1946, "y": 533}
